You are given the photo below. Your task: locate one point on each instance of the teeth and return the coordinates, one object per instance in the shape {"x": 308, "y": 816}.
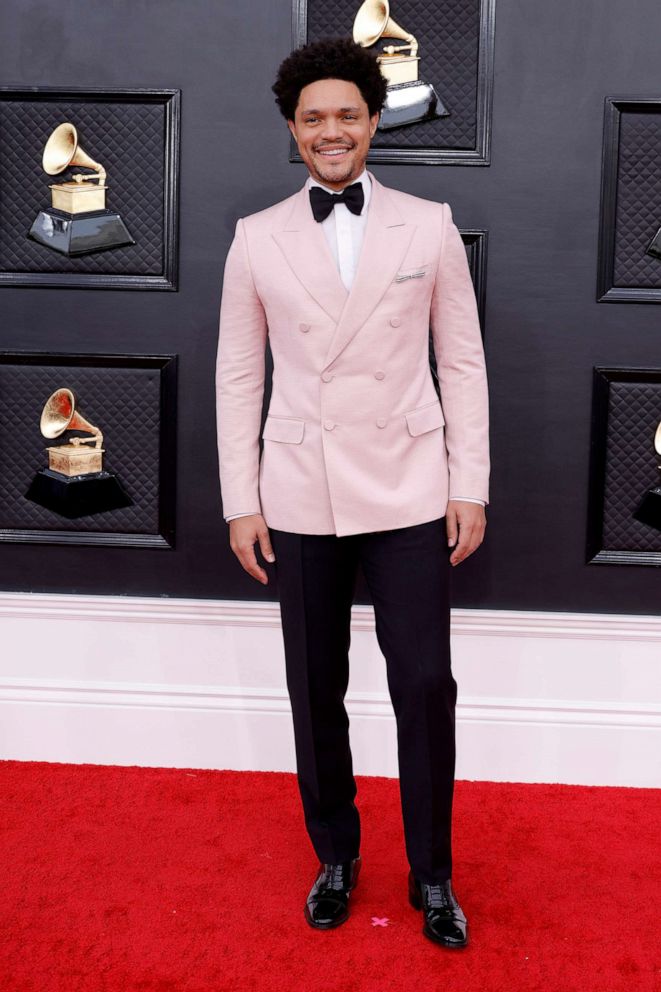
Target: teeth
{"x": 335, "y": 151}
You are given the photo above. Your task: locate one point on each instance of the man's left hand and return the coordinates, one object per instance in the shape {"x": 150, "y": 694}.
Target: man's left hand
{"x": 466, "y": 521}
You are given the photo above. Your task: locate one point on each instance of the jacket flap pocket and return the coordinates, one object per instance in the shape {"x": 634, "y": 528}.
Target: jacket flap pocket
{"x": 284, "y": 429}
{"x": 425, "y": 418}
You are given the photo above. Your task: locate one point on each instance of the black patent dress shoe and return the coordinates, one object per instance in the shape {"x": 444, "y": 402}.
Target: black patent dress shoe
{"x": 444, "y": 918}
{"x": 327, "y": 904}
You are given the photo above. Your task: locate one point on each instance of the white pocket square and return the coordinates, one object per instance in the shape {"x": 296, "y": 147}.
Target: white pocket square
{"x": 412, "y": 274}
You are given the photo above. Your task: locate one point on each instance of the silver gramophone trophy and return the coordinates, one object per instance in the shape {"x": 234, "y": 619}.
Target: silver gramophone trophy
{"x": 77, "y": 222}
{"x": 408, "y": 99}
{"x": 648, "y": 510}
{"x": 75, "y": 483}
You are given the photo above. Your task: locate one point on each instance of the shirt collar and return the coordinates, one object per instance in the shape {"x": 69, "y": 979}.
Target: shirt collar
{"x": 363, "y": 179}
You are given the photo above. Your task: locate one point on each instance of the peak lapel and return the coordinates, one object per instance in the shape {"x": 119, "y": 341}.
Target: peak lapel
{"x": 304, "y": 245}
{"x": 386, "y": 239}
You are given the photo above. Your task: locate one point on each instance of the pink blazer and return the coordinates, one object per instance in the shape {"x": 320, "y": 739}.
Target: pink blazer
{"x": 355, "y": 439}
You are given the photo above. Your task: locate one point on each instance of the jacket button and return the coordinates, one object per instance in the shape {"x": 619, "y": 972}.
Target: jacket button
{"x": 329, "y": 425}
{"x": 381, "y": 422}
{"x": 395, "y": 321}
{"x": 303, "y": 327}
{"x": 327, "y": 376}
{"x": 379, "y": 374}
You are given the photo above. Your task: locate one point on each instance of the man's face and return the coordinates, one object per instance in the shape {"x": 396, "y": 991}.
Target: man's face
{"x": 332, "y": 128}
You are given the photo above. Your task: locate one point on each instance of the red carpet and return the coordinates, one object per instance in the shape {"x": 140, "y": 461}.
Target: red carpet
{"x": 169, "y": 880}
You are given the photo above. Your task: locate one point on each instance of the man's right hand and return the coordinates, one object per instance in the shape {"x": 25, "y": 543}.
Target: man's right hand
{"x": 244, "y": 533}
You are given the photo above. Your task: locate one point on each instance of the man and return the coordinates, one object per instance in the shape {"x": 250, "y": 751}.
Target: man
{"x": 361, "y": 463}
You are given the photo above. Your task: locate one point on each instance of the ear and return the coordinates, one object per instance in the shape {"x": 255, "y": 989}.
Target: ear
{"x": 292, "y": 128}
{"x": 374, "y": 120}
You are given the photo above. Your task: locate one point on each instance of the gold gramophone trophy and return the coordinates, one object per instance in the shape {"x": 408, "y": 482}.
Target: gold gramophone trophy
{"x": 408, "y": 99}
{"x": 648, "y": 510}
{"x": 75, "y": 483}
{"x": 77, "y": 222}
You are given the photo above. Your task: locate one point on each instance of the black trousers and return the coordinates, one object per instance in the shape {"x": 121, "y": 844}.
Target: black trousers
{"x": 407, "y": 571}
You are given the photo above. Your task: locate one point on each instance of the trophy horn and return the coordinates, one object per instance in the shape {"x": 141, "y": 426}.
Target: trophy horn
{"x": 63, "y": 149}
{"x": 60, "y": 414}
{"x": 373, "y": 21}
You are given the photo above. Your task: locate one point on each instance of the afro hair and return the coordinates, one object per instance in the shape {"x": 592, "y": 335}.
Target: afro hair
{"x": 329, "y": 58}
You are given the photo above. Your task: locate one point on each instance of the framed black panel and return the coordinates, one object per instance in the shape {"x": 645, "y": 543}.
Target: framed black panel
{"x": 131, "y": 398}
{"x": 626, "y": 412}
{"x": 630, "y": 201}
{"x": 134, "y": 134}
{"x": 456, "y": 40}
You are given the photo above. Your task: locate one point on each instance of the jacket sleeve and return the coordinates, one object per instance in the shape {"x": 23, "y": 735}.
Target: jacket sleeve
{"x": 240, "y": 363}
{"x": 461, "y": 367}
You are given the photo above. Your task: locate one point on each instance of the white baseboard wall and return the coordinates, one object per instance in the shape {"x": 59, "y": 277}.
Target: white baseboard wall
{"x": 543, "y": 697}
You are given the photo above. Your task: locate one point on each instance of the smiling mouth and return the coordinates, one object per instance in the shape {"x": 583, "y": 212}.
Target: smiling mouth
{"x": 332, "y": 152}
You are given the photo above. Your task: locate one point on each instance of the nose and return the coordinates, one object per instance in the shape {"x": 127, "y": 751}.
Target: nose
{"x": 332, "y": 132}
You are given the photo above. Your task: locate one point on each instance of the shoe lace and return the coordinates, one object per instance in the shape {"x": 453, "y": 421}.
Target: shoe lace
{"x": 334, "y": 877}
{"x": 437, "y": 896}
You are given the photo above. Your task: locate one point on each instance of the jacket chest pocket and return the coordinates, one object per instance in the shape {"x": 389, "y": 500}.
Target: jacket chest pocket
{"x": 287, "y": 429}
{"x": 412, "y": 272}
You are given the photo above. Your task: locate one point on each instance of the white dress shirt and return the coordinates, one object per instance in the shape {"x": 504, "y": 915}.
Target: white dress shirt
{"x": 344, "y": 232}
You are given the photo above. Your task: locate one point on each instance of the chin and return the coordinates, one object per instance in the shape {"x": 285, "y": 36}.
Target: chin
{"x": 336, "y": 177}
{"x": 339, "y": 175}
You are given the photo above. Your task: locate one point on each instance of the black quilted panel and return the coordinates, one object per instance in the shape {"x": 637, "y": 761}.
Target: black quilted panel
{"x": 638, "y": 212}
{"x": 634, "y": 410}
{"x": 123, "y": 402}
{"x": 448, "y": 38}
{"x": 127, "y": 138}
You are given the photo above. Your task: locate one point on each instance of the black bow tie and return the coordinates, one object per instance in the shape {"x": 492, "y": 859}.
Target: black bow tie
{"x": 323, "y": 202}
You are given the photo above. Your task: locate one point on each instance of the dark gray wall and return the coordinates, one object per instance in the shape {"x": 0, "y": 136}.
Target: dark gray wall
{"x": 539, "y": 200}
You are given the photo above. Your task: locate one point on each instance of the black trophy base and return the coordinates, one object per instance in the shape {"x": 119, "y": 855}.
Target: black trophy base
{"x": 78, "y": 496}
{"x": 79, "y": 234}
{"x": 649, "y": 508}
{"x": 409, "y": 103}
{"x": 654, "y": 247}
